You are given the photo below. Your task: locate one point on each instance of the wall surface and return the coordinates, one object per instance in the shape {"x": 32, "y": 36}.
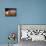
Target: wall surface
{"x": 28, "y": 12}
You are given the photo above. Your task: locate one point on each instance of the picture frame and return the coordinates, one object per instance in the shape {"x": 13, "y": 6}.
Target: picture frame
{"x": 10, "y": 11}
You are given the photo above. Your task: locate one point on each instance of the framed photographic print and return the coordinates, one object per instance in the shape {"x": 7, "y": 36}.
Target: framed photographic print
{"x": 10, "y": 11}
